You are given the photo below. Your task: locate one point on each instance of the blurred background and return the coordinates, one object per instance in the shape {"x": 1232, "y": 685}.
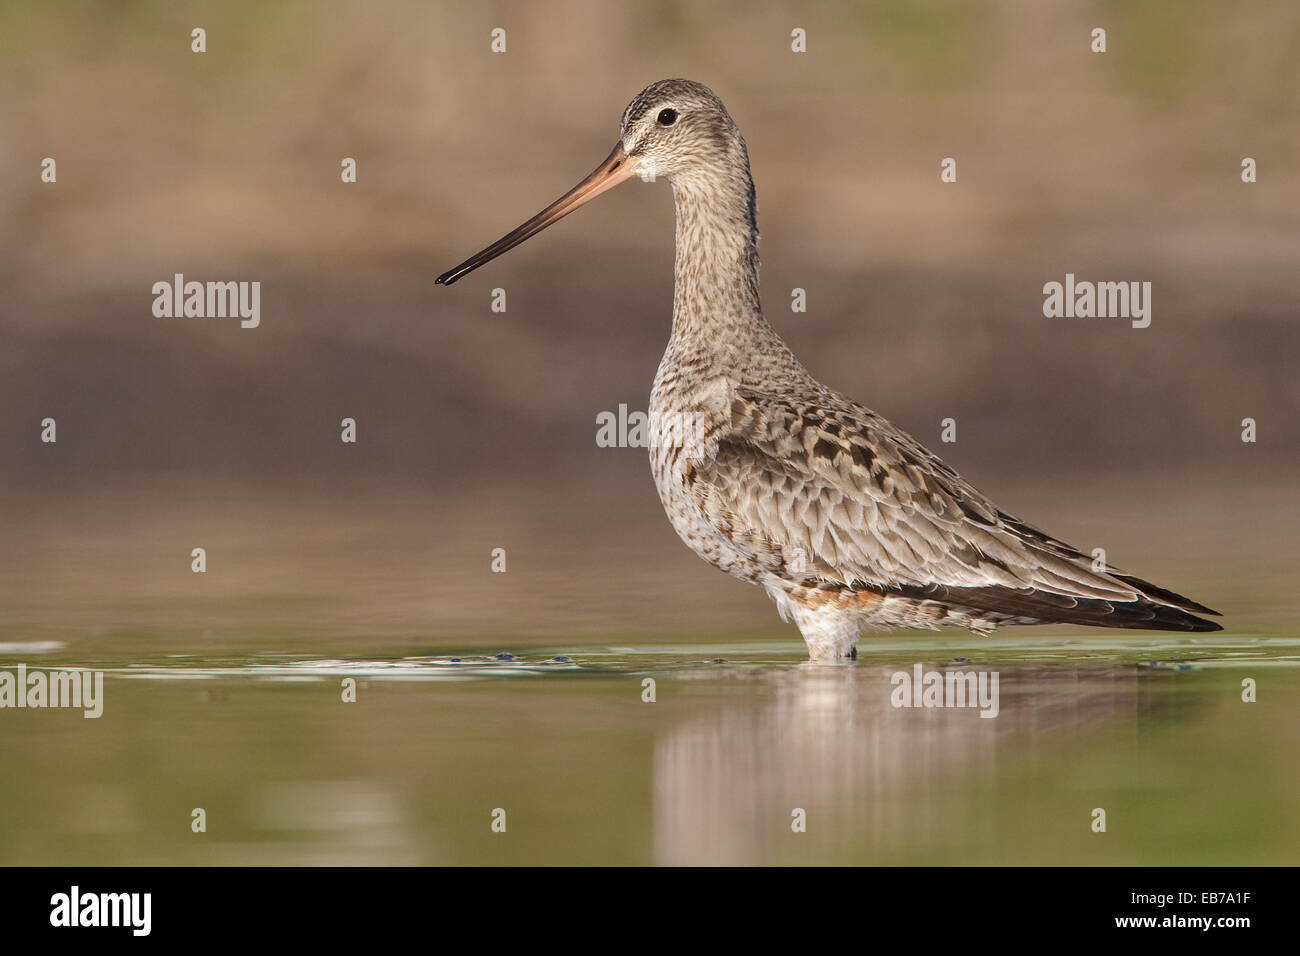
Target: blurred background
{"x": 476, "y": 429}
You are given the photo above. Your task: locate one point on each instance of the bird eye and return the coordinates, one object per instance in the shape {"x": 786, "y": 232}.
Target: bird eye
{"x": 667, "y": 117}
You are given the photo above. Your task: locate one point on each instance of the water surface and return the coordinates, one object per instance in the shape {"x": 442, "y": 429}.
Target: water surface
{"x": 739, "y": 738}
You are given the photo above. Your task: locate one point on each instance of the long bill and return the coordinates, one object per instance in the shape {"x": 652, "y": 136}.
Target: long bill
{"x": 616, "y": 168}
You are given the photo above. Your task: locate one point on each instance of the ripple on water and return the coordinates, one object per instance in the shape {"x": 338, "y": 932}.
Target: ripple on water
{"x": 31, "y": 647}
{"x": 1161, "y": 652}
{"x": 417, "y": 669}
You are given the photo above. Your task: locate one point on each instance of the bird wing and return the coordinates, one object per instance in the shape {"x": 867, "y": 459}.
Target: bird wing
{"x": 828, "y": 490}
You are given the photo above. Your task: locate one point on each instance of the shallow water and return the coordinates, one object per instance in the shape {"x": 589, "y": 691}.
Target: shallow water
{"x": 738, "y": 738}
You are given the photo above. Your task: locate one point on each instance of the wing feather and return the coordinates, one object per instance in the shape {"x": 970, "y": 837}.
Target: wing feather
{"x": 827, "y": 489}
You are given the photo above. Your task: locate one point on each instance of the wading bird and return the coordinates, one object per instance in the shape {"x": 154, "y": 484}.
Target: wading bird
{"x": 845, "y": 520}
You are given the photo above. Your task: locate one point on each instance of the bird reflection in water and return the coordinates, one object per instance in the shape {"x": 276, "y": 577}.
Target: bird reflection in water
{"x": 830, "y": 741}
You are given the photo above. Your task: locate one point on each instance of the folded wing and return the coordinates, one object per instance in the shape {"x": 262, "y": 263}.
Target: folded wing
{"x": 829, "y": 491}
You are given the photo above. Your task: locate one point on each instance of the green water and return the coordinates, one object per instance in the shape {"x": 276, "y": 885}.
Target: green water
{"x": 739, "y": 737}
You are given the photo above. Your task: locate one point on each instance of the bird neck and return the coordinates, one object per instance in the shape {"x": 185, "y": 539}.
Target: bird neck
{"x": 716, "y": 308}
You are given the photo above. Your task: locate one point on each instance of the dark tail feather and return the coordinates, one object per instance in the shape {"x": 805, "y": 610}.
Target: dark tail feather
{"x": 1165, "y": 597}
{"x": 1049, "y": 608}
{"x": 1145, "y": 616}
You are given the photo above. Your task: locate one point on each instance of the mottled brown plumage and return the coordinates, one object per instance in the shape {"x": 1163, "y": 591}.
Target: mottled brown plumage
{"x": 845, "y": 520}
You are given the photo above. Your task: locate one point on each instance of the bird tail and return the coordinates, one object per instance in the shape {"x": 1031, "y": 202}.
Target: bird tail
{"x": 1172, "y": 611}
{"x": 1156, "y": 609}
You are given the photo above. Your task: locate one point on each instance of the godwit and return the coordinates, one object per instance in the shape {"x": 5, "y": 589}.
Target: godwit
{"x": 846, "y": 521}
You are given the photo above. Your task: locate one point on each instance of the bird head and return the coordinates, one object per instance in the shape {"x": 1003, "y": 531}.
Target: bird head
{"x": 673, "y": 129}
